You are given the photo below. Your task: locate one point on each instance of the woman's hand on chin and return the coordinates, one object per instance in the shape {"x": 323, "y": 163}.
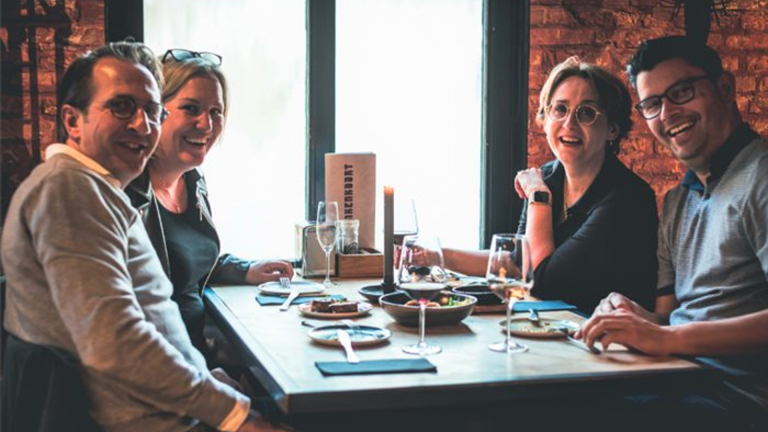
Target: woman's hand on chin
{"x": 529, "y": 181}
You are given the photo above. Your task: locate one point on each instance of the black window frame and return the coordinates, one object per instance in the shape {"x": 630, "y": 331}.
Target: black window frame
{"x": 504, "y": 140}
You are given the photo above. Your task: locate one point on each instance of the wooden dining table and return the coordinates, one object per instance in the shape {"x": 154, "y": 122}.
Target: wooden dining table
{"x": 278, "y": 352}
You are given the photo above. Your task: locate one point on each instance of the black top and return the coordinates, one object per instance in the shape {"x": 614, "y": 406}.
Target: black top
{"x": 192, "y": 252}
{"x": 607, "y": 242}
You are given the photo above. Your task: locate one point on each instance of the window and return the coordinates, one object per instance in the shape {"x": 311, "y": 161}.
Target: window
{"x": 409, "y": 88}
{"x": 256, "y": 173}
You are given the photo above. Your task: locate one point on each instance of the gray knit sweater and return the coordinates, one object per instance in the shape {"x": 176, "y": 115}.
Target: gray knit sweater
{"x": 82, "y": 275}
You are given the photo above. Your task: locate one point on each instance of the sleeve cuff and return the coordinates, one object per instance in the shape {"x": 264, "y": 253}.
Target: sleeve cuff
{"x": 237, "y": 416}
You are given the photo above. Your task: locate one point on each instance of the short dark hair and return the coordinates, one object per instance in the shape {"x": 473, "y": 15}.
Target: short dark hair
{"x": 615, "y": 100}
{"x": 76, "y": 88}
{"x": 654, "y": 51}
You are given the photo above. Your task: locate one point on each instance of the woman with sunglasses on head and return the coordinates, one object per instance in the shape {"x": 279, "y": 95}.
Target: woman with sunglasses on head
{"x": 172, "y": 195}
{"x": 590, "y": 221}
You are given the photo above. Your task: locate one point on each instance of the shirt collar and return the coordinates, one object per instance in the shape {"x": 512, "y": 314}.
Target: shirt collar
{"x": 55, "y": 149}
{"x": 722, "y": 157}
{"x": 594, "y": 192}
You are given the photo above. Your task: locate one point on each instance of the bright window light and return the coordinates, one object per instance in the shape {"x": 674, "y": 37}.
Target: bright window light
{"x": 409, "y": 88}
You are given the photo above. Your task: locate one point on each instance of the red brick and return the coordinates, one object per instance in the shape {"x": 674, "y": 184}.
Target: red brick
{"x": 559, "y": 17}
{"x": 757, "y": 64}
{"x": 740, "y": 42}
{"x": 756, "y": 23}
{"x": 743, "y": 103}
{"x": 730, "y": 62}
{"x": 745, "y": 83}
{"x": 763, "y": 86}
{"x": 537, "y": 15}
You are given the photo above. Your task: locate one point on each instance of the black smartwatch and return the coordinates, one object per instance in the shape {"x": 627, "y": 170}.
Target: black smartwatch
{"x": 541, "y": 197}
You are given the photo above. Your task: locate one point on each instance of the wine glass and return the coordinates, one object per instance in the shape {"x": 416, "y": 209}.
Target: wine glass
{"x": 510, "y": 277}
{"x": 406, "y": 222}
{"x": 422, "y": 277}
{"x": 327, "y": 215}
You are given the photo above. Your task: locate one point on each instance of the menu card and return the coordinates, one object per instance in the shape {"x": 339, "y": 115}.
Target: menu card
{"x": 350, "y": 180}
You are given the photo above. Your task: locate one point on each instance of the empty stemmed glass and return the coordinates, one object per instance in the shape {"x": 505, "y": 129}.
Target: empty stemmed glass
{"x": 510, "y": 277}
{"x": 422, "y": 277}
{"x": 327, "y": 215}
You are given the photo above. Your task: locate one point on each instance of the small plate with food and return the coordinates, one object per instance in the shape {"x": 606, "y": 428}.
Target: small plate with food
{"x": 544, "y": 328}
{"x": 305, "y": 288}
{"x": 330, "y": 308}
{"x": 359, "y": 335}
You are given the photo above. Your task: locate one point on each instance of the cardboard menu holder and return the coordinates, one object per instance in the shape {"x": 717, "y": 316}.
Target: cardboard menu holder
{"x": 350, "y": 180}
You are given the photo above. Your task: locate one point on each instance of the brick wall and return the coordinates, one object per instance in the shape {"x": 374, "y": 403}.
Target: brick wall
{"x": 39, "y": 39}
{"x": 607, "y": 32}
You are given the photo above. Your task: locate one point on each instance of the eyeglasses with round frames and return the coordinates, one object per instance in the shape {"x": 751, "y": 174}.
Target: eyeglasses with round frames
{"x": 179, "y": 54}
{"x": 125, "y": 107}
{"x": 585, "y": 114}
{"x": 678, "y": 93}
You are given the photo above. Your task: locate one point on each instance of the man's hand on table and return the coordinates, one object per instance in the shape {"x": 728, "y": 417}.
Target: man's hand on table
{"x": 625, "y": 327}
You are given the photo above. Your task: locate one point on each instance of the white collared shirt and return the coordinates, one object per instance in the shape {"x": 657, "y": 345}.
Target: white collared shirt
{"x": 72, "y": 152}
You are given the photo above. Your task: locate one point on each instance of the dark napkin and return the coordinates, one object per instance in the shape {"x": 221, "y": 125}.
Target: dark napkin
{"x": 266, "y": 300}
{"x": 376, "y": 367}
{"x": 541, "y": 306}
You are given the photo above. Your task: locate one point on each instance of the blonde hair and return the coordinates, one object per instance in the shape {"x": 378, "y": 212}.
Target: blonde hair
{"x": 614, "y": 99}
{"x": 178, "y": 72}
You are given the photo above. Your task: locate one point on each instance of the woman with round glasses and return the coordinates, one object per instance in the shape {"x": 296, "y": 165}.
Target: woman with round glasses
{"x": 591, "y": 222}
{"x": 172, "y": 195}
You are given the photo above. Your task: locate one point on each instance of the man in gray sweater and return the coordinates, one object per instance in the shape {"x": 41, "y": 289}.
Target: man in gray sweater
{"x": 82, "y": 275}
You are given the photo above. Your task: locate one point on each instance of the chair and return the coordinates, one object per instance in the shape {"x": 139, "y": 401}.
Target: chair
{"x": 42, "y": 390}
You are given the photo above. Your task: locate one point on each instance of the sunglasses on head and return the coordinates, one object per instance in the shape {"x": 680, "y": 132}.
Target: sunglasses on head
{"x": 179, "y": 54}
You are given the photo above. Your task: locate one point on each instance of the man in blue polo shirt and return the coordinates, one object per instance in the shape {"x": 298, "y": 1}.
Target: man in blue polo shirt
{"x": 712, "y": 299}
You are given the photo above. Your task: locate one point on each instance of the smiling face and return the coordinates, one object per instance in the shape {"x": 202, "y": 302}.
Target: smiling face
{"x": 577, "y": 146}
{"x": 120, "y": 146}
{"x": 194, "y": 124}
{"x": 693, "y": 131}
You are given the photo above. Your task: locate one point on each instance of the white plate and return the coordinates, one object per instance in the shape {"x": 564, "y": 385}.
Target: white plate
{"x": 362, "y": 336}
{"x": 363, "y": 308}
{"x": 547, "y": 328}
{"x": 305, "y": 288}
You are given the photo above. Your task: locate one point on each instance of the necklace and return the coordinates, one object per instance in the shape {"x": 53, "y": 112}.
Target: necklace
{"x": 174, "y": 201}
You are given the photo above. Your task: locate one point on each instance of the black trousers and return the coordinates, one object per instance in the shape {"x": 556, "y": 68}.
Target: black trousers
{"x": 42, "y": 390}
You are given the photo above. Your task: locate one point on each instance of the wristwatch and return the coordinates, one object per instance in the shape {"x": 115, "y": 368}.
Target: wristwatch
{"x": 541, "y": 197}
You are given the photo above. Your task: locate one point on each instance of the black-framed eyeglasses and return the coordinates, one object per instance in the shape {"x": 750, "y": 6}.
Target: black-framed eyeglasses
{"x": 585, "y": 114}
{"x": 125, "y": 107}
{"x": 678, "y": 93}
{"x": 180, "y": 54}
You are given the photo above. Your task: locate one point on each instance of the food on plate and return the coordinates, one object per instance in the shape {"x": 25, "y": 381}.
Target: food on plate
{"x": 416, "y": 303}
{"x": 322, "y": 305}
{"x": 445, "y": 301}
{"x": 329, "y": 305}
{"x": 344, "y": 306}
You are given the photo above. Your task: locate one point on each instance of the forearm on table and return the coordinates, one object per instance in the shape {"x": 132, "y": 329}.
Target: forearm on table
{"x": 731, "y": 336}
{"x": 467, "y": 262}
{"x": 539, "y": 232}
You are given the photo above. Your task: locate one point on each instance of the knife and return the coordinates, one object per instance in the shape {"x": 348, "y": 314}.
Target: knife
{"x": 346, "y": 342}
{"x": 593, "y": 349}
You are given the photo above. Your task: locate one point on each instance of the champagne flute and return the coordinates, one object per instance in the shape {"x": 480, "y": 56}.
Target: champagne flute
{"x": 510, "y": 277}
{"x": 327, "y": 215}
{"x": 422, "y": 278}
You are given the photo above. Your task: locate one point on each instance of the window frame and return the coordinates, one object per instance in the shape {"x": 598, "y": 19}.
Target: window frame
{"x": 504, "y": 113}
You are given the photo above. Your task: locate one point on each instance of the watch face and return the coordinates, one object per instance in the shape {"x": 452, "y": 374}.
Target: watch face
{"x": 541, "y": 197}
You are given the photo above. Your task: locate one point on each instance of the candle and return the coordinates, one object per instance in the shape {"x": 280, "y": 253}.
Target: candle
{"x": 389, "y": 238}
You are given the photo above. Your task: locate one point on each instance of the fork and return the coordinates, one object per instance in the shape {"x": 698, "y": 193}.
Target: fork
{"x": 285, "y": 282}
{"x": 291, "y": 297}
